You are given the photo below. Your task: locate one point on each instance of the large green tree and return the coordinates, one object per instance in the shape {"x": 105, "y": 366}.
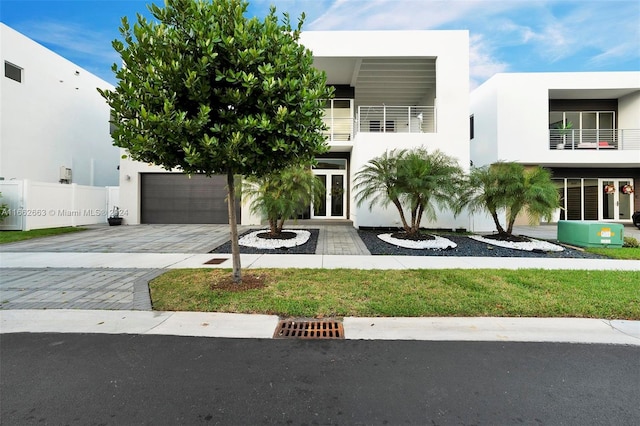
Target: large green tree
{"x": 413, "y": 180}
{"x": 204, "y": 89}
{"x": 511, "y": 188}
{"x": 283, "y": 194}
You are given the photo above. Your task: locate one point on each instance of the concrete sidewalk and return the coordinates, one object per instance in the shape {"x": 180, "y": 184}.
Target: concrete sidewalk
{"x": 567, "y": 330}
{"x": 252, "y": 261}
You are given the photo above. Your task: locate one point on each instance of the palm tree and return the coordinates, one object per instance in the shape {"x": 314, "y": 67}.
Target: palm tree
{"x": 509, "y": 186}
{"x": 415, "y": 180}
{"x": 377, "y": 182}
{"x": 283, "y": 195}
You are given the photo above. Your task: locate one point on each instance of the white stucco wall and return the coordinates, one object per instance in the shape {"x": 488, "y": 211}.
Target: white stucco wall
{"x": 451, "y": 50}
{"x": 54, "y": 117}
{"x": 484, "y": 108}
{"x": 521, "y": 119}
{"x": 629, "y": 110}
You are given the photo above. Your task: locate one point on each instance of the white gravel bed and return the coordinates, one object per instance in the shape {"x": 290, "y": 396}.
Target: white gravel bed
{"x": 252, "y": 240}
{"x": 526, "y": 246}
{"x": 437, "y": 243}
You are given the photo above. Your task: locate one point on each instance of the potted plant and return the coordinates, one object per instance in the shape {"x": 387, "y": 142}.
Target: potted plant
{"x": 115, "y": 219}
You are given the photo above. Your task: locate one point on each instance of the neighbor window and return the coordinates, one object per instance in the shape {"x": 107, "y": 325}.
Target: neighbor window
{"x": 13, "y": 72}
{"x": 471, "y": 127}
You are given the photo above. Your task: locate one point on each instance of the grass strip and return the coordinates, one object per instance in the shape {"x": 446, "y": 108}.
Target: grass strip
{"x": 14, "y": 236}
{"x": 624, "y": 253}
{"x": 407, "y": 293}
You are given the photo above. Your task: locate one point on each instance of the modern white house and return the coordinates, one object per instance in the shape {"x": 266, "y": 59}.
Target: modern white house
{"x": 583, "y": 126}
{"x": 57, "y": 157}
{"x": 394, "y": 90}
{"x": 54, "y": 125}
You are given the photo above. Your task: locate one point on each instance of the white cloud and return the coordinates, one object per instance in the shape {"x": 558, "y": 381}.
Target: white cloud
{"x": 588, "y": 33}
{"x": 72, "y": 39}
{"x": 482, "y": 61}
{"x": 391, "y": 15}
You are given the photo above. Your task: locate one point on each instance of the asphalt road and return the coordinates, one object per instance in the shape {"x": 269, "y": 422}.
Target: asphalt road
{"x": 156, "y": 380}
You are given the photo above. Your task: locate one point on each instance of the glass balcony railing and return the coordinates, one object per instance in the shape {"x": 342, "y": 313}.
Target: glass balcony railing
{"x": 338, "y": 117}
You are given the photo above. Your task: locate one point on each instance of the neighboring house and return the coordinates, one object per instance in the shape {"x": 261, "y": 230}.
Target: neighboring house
{"x": 584, "y": 127}
{"x": 54, "y": 125}
{"x": 394, "y": 89}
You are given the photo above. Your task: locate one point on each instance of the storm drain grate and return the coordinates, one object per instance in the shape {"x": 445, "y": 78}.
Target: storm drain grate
{"x": 309, "y": 329}
{"x": 215, "y": 261}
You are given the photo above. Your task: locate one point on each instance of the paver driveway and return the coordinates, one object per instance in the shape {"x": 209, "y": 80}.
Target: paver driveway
{"x": 131, "y": 239}
{"x": 119, "y": 288}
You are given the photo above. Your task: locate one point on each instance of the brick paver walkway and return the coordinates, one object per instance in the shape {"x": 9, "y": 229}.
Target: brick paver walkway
{"x": 76, "y": 288}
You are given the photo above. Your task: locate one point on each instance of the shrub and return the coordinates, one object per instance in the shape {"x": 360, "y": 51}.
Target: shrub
{"x": 4, "y": 210}
{"x": 631, "y": 242}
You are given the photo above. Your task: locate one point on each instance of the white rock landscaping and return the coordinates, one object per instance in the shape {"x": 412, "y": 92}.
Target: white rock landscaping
{"x": 436, "y": 243}
{"x": 526, "y": 246}
{"x": 252, "y": 240}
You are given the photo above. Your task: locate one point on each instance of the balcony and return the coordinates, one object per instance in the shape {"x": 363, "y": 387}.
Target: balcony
{"x": 338, "y": 117}
{"x": 342, "y": 125}
{"x": 594, "y": 139}
{"x": 397, "y": 119}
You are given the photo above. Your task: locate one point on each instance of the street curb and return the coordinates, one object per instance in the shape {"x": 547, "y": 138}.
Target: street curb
{"x": 214, "y": 324}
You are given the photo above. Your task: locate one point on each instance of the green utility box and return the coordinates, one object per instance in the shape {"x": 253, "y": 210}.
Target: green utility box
{"x": 590, "y": 233}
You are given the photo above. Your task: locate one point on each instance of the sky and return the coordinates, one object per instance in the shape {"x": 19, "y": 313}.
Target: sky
{"x": 505, "y": 36}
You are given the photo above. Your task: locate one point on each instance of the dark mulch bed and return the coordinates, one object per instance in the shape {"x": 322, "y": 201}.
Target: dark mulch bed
{"x": 250, "y": 281}
{"x": 466, "y": 247}
{"x": 307, "y": 248}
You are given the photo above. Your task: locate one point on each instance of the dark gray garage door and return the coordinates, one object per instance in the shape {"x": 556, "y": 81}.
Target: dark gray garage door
{"x": 174, "y": 198}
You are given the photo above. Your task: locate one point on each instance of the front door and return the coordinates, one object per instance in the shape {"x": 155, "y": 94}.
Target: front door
{"x": 616, "y": 201}
{"x": 334, "y": 199}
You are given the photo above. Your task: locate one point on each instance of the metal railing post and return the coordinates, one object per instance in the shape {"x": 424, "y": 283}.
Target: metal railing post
{"x": 384, "y": 119}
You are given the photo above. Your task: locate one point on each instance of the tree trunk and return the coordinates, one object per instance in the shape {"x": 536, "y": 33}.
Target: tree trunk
{"x": 396, "y": 202}
{"x": 273, "y": 227}
{"x": 414, "y": 216}
{"x": 499, "y": 227}
{"x": 233, "y": 224}
{"x": 419, "y": 217}
{"x": 512, "y": 220}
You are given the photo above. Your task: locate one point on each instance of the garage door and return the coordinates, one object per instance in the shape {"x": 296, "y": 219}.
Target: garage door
{"x": 174, "y": 198}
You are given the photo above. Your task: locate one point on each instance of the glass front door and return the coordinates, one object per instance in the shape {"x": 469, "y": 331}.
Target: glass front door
{"x": 616, "y": 202}
{"x": 334, "y": 201}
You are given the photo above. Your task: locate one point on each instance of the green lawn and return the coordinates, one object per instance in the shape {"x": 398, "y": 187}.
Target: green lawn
{"x": 13, "y": 236}
{"x": 627, "y": 253}
{"x": 407, "y": 293}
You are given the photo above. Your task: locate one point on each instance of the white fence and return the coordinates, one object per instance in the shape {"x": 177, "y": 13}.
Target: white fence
{"x": 38, "y": 205}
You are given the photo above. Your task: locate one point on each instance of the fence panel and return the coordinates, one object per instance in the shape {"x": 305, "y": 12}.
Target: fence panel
{"x": 48, "y": 205}
{"x": 12, "y": 197}
{"x": 38, "y": 205}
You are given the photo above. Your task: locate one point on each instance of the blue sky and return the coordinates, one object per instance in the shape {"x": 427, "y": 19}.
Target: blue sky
{"x": 505, "y": 36}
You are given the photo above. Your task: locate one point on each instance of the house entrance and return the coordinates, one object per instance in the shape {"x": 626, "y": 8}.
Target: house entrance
{"x": 616, "y": 202}
{"x": 604, "y": 199}
{"x": 333, "y": 176}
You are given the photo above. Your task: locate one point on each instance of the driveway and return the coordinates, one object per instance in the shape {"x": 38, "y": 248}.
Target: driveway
{"x": 339, "y": 239}
{"x": 131, "y": 239}
{"x": 124, "y": 288}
